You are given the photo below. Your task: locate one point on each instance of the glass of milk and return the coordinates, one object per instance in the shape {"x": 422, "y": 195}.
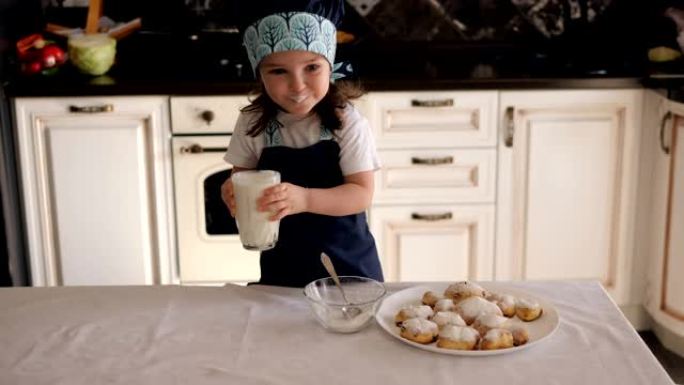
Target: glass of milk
{"x": 256, "y": 231}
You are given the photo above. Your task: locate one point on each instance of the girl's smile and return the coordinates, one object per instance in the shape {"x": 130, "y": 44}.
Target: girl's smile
{"x": 295, "y": 80}
{"x": 297, "y": 98}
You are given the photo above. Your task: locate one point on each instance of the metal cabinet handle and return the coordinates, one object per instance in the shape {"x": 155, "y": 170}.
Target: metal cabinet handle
{"x": 431, "y": 217}
{"x": 509, "y": 126}
{"x": 198, "y": 149}
{"x": 432, "y": 161}
{"x": 432, "y": 103}
{"x": 663, "y": 123}
{"x": 92, "y": 109}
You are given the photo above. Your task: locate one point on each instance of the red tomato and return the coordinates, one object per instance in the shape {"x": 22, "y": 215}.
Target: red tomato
{"x": 52, "y": 55}
{"x": 31, "y": 67}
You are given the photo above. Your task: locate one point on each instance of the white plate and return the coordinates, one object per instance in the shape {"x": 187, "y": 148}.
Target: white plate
{"x": 539, "y": 329}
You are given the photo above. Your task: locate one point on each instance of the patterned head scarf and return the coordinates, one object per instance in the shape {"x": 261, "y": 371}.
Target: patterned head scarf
{"x": 292, "y": 26}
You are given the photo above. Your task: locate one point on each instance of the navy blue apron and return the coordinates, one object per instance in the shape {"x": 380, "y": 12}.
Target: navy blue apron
{"x": 296, "y": 258}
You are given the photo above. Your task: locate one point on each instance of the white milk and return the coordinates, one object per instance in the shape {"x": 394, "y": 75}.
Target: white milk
{"x": 256, "y": 231}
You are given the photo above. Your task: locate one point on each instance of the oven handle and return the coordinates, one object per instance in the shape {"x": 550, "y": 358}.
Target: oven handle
{"x": 198, "y": 149}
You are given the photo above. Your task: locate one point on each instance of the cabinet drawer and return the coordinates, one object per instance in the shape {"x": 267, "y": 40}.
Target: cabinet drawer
{"x": 434, "y": 242}
{"x": 199, "y": 114}
{"x": 434, "y": 119}
{"x": 436, "y": 175}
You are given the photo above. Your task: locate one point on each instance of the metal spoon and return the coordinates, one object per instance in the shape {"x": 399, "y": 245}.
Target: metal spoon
{"x": 349, "y": 310}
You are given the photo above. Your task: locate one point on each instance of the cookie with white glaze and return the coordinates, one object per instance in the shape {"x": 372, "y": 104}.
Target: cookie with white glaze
{"x": 443, "y": 318}
{"x": 419, "y": 330}
{"x": 505, "y": 302}
{"x": 414, "y": 311}
{"x": 472, "y": 307}
{"x": 458, "y": 337}
{"x": 485, "y": 322}
{"x": 527, "y": 310}
{"x": 464, "y": 289}
{"x": 444, "y": 304}
{"x": 430, "y": 298}
{"x": 520, "y": 335}
{"x": 496, "y": 339}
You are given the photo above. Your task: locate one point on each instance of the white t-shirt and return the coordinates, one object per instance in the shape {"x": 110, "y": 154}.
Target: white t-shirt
{"x": 357, "y": 147}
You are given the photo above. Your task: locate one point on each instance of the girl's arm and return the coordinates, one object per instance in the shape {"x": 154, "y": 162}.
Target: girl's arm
{"x": 352, "y": 197}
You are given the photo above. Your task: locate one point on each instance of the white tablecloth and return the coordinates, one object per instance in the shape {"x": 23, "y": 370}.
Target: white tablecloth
{"x": 266, "y": 335}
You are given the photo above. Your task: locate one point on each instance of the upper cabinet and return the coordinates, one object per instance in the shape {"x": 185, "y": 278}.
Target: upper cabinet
{"x": 96, "y": 181}
{"x": 567, "y": 184}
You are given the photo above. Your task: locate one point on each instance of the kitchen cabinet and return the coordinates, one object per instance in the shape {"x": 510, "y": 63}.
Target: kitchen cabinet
{"x": 435, "y": 242}
{"x": 664, "y": 219}
{"x": 96, "y": 180}
{"x": 567, "y": 185}
{"x": 433, "y": 211}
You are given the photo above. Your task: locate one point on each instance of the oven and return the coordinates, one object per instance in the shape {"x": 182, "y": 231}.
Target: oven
{"x": 209, "y": 248}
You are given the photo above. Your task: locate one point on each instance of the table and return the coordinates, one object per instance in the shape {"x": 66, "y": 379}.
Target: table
{"x": 267, "y": 335}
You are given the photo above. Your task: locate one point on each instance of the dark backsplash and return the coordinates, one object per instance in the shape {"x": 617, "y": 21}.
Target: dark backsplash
{"x": 404, "y": 20}
{"x": 421, "y": 38}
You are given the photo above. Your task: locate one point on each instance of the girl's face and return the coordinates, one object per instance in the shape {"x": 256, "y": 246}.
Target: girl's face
{"x": 295, "y": 80}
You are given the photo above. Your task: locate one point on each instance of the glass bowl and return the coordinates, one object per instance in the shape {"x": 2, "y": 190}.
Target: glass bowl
{"x": 327, "y": 304}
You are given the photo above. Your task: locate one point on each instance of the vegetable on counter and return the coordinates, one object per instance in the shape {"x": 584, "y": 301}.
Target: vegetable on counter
{"x": 38, "y": 55}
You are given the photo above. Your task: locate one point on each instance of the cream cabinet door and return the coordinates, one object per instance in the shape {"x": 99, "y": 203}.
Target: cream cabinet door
{"x": 97, "y": 186}
{"x": 673, "y": 246}
{"x": 434, "y": 243}
{"x": 567, "y": 186}
{"x": 665, "y": 252}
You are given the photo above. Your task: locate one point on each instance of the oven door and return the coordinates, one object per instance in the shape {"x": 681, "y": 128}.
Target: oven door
{"x": 209, "y": 248}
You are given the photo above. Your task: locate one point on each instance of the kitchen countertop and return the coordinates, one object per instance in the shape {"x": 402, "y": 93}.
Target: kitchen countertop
{"x": 267, "y": 335}
{"x": 144, "y": 67}
{"x": 72, "y": 84}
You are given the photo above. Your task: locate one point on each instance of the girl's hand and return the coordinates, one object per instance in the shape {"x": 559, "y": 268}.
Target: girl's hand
{"x": 283, "y": 199}
{"x": 228, "y": 196}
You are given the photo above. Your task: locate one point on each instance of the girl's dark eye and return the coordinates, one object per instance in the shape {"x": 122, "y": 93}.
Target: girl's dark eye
{"x": 277, "y": 71}
{"x": 313, "y": 67}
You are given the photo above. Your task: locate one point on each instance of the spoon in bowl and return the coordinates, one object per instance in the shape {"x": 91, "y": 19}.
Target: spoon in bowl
{"x": 350, "y": 311}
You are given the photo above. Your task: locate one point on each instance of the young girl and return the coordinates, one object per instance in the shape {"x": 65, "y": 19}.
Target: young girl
{"x": 303, "y": 126}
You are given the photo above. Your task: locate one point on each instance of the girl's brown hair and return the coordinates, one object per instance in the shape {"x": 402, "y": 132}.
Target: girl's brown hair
{"x": 328, "y": 109}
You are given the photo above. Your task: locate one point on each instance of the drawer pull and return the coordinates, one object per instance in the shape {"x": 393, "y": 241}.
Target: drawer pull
{"x": 432, "y": 161}
{"x": 431, "y": 217}
{"x": 208, "y": 116}
{"x": 509, "y": 126}
{"x": 663, "y": 123}
{"x": 432, "y": 103}
{"x": 197, "y": 149}
{"x": 92, "y": 109}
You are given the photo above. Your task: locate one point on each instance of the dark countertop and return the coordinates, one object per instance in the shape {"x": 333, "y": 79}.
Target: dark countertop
{"x": 148, "y": 65}
{"x": 113, "y": 85}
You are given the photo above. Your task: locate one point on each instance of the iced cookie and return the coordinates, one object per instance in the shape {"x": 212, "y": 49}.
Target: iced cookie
{"x": 419, "y": 330}
{"x": 464, "y": 289}
{"x": 527, "y": 310}
{"x": 458, "y": 337}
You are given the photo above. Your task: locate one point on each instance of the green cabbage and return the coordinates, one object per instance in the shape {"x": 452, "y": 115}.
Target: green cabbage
{"x": 92, "y": 54}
